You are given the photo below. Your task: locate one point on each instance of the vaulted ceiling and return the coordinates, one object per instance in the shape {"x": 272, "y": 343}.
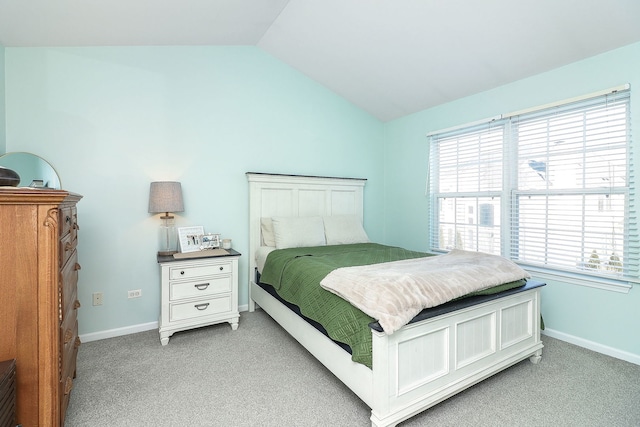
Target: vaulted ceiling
{"x": 389, "y": 57}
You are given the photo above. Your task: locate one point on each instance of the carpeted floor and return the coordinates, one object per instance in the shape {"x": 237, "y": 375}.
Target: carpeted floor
{"x": 259, "y": 376}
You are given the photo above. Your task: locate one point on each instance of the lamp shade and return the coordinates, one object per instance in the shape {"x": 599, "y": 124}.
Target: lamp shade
{"x": 165, "y": 196}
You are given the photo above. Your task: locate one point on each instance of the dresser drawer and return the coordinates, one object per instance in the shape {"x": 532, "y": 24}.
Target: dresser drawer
{"x": 199, "y": 271}
{"x": 207, "y": 286}
{"x": 68, "y": 219}
{"x": 205, "y": 307}
{"x": 69, "y": 283}
{"x": 67, "y": 247}
{"x": 69, "y": 343}
{"x": 66, "y": 383}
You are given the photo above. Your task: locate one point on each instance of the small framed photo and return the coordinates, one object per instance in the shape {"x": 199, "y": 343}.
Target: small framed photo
{"x": 189, "y": 238}
{"x": 210, "y": 241}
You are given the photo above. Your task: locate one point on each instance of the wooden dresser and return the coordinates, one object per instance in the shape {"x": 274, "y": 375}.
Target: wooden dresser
{"x": 38, "y": 299}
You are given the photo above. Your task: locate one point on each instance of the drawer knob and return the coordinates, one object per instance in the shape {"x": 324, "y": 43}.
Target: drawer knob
{"x": 67, "y": 336}
{"x": 202, "y": 307}
{"x": 202, "y": 286}
{"x": 76, "y": 226}
{"x": 76, "y": 304}
{"x": 77, "y": 267}
{"x": 182, "y": 272}
{"x": 68, "y": 246}
{"x": 77, "y": 342}
{"x": 221, "y": 268}
{"x": 67, "y": 219}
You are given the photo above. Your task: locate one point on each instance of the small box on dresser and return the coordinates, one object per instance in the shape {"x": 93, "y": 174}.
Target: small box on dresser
{"x": 198, "y": 291}
{"x": 38, "y": 308}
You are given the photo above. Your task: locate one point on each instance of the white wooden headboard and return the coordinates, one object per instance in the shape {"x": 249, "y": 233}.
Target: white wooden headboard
{"x": 298, "y": 196}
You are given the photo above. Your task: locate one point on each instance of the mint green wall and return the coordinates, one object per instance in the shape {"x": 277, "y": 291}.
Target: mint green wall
{"x": 111, "y": 120}
{"x": 2, "y": 109}
{"x": 603, "y": 317}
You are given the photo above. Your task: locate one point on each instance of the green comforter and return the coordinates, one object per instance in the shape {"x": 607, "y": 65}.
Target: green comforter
{"x": 296, "y": 274}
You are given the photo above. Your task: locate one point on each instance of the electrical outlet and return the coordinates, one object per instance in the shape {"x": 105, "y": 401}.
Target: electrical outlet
{"x": 97, "y": 298}
{"x": 135, "y": 294}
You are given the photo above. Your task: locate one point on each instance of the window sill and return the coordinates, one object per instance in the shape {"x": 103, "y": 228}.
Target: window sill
{"x": 613, "y": 285}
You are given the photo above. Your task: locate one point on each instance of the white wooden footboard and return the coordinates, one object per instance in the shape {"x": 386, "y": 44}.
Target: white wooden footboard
{"x": 427, "y": 362}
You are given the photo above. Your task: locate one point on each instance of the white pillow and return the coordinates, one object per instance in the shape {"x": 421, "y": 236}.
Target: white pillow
{"x": 266, "y": 228}
{"x": 296, "y": 232}
{"x": 344, "y": 230}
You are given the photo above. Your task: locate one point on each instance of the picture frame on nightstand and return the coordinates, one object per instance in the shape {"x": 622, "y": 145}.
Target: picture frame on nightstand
{"x": 189, "y": 238}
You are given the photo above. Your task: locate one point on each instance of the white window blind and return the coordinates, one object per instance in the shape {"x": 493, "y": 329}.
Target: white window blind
{"x": 468, "y": 186}
{"x": 552, "y": 188}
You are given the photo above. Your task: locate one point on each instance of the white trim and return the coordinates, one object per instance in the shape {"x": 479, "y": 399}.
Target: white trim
{"x": 112, "y": 333}
{"x": 594, "y": 346}
{"x": 133, "y": 329}
{"x": 571, "y": 339}
{"x": 623, "y": 287}
{"x": 625, "y": 86}
{"x": 470, "y": 124}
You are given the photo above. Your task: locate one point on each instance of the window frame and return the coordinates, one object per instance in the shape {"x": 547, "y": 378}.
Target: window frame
{"x": 510, "y": 194}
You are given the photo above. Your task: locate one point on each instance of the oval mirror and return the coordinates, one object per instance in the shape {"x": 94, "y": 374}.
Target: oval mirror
{"x": 34, "y": 171}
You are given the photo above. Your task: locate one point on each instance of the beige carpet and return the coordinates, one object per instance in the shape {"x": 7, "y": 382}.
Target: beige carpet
{"x": 259, "y": 376}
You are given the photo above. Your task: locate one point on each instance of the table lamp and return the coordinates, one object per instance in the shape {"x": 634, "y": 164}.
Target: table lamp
{"x": 166, "y": 197}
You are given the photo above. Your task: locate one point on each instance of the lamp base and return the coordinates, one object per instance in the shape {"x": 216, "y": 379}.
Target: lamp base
{"x": 166, "y": 253}
{"x": 167, "y": 236}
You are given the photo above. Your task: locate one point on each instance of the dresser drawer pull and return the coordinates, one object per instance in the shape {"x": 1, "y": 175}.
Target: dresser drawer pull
{"x": 182, "y": 272}
{"x": 68, "y": 385}
{"x": 221, "y": 268}
{"x": 76, "y": 304}
{"x": 202, "y": 307}
{"x": 77, "y": 343}
{"x": 67, "y": 219}
{"x": 202, "y": 286}
{"x": 68, "y": 246}
{"x": 76, "y": 226}
{"x": 77, "y": 267}
{"x": 67, "y": 336}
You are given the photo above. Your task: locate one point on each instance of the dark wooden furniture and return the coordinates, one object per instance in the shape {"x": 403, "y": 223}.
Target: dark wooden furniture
{"x": 38, "y": 308}
{"x": 8, "y": 393}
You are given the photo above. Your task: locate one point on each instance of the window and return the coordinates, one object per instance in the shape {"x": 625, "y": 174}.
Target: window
{"x": 550, "y": 188}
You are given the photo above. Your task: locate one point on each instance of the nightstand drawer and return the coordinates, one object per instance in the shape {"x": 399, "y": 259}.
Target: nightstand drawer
{"x": 199, "y": 271}
{"x": 201, "y": 308}
{"x": 205, "y": 287}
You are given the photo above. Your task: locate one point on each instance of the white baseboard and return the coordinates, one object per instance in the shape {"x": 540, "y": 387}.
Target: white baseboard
{"x": 600, "y": 348}
{"x": 111, "y": 333}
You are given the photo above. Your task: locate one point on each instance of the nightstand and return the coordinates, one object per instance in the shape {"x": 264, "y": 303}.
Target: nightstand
{"x": 198, "y": 291}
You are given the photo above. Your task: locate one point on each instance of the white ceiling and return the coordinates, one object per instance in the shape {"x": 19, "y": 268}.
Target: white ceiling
{"x": 389, "y": 57}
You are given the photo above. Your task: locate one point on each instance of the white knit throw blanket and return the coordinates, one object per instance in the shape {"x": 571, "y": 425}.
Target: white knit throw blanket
{"x": 395, "y": 292}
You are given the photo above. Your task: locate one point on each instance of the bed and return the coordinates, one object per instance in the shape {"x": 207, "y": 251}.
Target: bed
{"x": 445, "y": 350}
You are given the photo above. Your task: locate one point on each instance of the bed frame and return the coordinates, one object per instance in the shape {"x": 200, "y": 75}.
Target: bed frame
{"x": 419, "y": 365}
